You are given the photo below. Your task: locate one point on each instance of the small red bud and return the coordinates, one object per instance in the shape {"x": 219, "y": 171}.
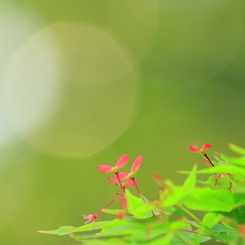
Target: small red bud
{"x": 120, "y": 216}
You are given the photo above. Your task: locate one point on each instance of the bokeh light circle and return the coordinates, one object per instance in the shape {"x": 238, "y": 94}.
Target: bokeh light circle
{"x": 15, "y": 28}
{"x": 70, "y": 90}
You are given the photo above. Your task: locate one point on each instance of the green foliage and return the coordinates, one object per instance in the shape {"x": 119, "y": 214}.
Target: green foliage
{"x": 170, "y": 218}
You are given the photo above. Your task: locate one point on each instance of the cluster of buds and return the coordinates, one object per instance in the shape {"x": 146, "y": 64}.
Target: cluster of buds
{"x": 122, "y": 179}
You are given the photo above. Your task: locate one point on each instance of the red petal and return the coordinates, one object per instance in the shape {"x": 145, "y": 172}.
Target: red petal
{"x": 122, "y": 161}
{"x": 136, "y": 164}
{"x": 131, "y": 182}
{"x": 194, "y": 148}
{"x": 206, "y": 146}
{"x": 105, "y": 168}
{"x": 123, "y": 175}
{"x": 114, "y": 181}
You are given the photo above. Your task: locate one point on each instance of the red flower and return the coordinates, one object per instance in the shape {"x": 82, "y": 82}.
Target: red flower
{"x": 110, "y": 169}
{"x": 91, "y": 218}
{"x": 203, "y": 149}
{"x": 123, "y": 175}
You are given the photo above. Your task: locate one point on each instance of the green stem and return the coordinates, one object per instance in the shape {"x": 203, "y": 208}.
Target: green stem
{"x": 191, "y": 214}
{"x": 193, "y": 224}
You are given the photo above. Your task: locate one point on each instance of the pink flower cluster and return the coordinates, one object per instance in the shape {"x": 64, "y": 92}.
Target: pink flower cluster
{"x": 126, "y": 177}
{"x": 123, "y": 179}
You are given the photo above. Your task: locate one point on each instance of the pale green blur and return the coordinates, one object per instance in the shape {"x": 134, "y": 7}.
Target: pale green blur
{"x": 83, "y": 82}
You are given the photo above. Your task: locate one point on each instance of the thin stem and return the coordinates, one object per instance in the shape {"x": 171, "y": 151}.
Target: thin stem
{"x": 191, "y": 214}
{"x": 230, "y": 187}
{"x": 189, "y": 230}
{"x": 139, "y": 193}
{"x": 227, "y": 176}
{"x": 188, "y": 221}
{"x": 106, "y": 206}
{"x": 193, "y": 224}
{"x": 137, "y": 188}
{"x": 207, "y": 233}
{"x": 208, "y": 159}
{"x": 119, "y": 181}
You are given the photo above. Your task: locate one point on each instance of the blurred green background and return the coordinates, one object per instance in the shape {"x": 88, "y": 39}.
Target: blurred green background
{"x": 83, "y": 82}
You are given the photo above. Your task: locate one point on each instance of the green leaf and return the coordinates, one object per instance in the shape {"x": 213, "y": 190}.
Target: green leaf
{"x": 111, "y": 211}
{"x": 116, "y": 230}
{"x": 186, "y": 226}
{"x": 220, "y": 162}
{"x": 148, "y": 207}
{"x": 200, "y": 238}
{"x": 234, "y": 170}
{"x": 178, "y": 212}
{"x": 239, "y": 198}
{"x": 92, "y": 226}
{"x": 63, "y": 230}
{"x": 115, "y": 223}
{"x": 145, "y": 210}
{"x": 163, "y": 240}
{"x": 193, "y": 237}
{"x": 172, "y": 194}
{"x": 108, "y": 241}
{"x": 207, "y": 199}
{"x": 239, "y": 161}
{"x": 237, "y": 214}
{"x": 191, "y": 179}
{"x": 147, "y": 234}
{"x": 170, "y": 198}
{"x": 237, "y": 149}
{"x": 134, "y": 203}
{"x": 239, "y": 188}
{"x": 169, "y": 209}
{"x": 177, "y": 224}
{"x": 231, "y": 239}
{"x": 224, "y": 234}
{"x": 222, "y": 183}
{"x": 211, "y": 219}
{"x": 223, "y": 229}
{"x": 122, "y": 230}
